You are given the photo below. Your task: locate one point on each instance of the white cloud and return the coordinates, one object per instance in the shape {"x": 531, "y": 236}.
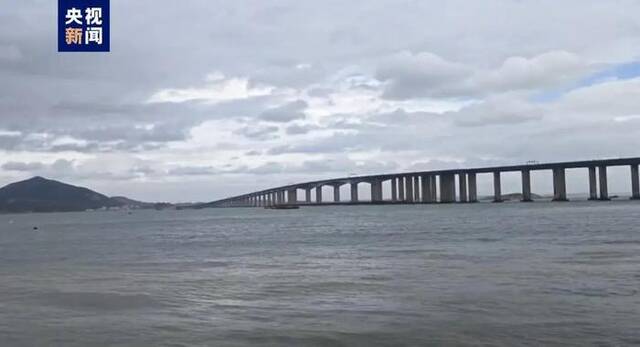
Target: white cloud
{"x": 502, "y": 110}
{"x": 425, "y": 75}
{"x": 218, "y": 90}
{"x": 550, "y": 69}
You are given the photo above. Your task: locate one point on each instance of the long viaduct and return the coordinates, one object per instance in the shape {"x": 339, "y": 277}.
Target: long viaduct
{"x": 438, "y": 186}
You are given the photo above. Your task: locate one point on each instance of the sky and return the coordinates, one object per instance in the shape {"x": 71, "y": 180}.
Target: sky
{"x": 201, "y": 99}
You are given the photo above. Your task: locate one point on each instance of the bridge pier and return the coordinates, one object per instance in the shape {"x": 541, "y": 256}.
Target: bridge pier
{"x": 497, "y": 187}
{"x": 354, "y": 191}
{"x": 416, "y": 188}
{"x": 593, "y": 184}
{"x": 604, "y": 187}
{"x": 462, "y": 182}
{"x": 401, "y": 188}
{"x": 376, "y": 191}
{"x": 394, "y": 189}
{"x": 526, "y": 186}
{"x": 473, "y": 187}
{"x": 426, "y": 189}
{"x": 318, "y": 194}
{"x": 292, "y": 196}
{"x": 635, "y": 183}
{"x": 307, "y": 195}
{"x": 447, "y": 188}
{"x": 434, "y": 188}
{"x": 336, "y": 193}
{"x": 559, "y": 185}
{"x": 409, "y": 187}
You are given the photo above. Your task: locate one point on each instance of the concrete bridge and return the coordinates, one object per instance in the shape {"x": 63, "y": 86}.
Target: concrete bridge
{"x": 438, "y": 186}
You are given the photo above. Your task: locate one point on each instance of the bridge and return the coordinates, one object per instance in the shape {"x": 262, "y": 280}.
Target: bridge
{"x": 438, "y": 186}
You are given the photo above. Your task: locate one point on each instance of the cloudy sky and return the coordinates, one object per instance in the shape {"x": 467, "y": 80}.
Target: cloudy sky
{"x": 199, "y": 99}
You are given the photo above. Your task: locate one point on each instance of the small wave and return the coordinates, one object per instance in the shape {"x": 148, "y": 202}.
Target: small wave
{"x": 622, "y": 242}
{"x": 97, "y": 301}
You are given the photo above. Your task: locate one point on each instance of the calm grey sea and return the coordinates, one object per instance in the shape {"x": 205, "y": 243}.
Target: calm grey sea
{"x": 483, "y": 274}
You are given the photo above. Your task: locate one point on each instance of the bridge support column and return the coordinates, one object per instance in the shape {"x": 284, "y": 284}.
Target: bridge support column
{"x": 526, "y": 186}
{"x": 281, "y": 197}
{"x": 416, "y": 188}
{"x": 376, "y": 191}
{"x": 604, "y": 187}
{"x": 354, "y": 191}
{"x": 434, "y": 188}
{"x": 635, "y": 183}
{"x": 473, "y": 187}
{"x": 426, "y": 189}
{"x": 409, "y": 188}
{"x": 307, "y": 195}
{"x": 394, "y": 189}
{"x": 401, "y": 188}
{"x": 292, "y": 196}
{"x": 497, "y": 187}
{"x": 593, "y": 184}
{"x": 462, "y": 182}
{"x": 318, "y": 194}
{"x": 447, "y": 188}
{"x": 336, "y": 193}
{"x": 559, "y": 185}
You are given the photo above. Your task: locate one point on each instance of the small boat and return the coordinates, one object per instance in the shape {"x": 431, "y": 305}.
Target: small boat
{"x": 283, "y": 207}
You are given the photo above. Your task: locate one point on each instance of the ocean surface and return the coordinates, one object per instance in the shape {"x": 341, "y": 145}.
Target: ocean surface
{"x": 484, "y": 274}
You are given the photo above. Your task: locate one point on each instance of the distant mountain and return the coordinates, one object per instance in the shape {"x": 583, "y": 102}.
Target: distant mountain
{"x": 39, "y": 194}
